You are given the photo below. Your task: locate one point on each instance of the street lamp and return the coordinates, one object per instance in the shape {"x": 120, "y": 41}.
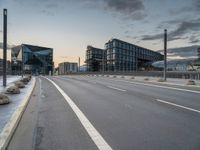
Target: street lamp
{"x": 165, "y": 55}
{"x": 4, "y": 45}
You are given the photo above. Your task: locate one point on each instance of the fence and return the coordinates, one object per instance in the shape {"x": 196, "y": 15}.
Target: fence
{"x": 170, "y": 74}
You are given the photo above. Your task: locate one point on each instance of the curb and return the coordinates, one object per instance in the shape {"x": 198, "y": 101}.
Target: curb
{"x": 156, "y": 82}
{"x": 9, "y": 129}
{"x": 165, "y": 83}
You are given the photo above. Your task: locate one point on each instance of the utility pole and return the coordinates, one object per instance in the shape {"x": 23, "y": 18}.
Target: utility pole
{"x": 79, "y": 60}
{"x": 4, "y": 45}
{"x": 165, "y": 55}
{"x": 103, "y": 61}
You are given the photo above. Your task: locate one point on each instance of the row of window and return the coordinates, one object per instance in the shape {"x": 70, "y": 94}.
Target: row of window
{"x": 128, "y": 48}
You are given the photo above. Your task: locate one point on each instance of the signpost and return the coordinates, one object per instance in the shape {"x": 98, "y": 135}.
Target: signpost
{"x": 4, "y": 45}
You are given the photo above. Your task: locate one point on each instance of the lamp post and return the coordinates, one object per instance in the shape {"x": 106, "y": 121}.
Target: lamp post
{"x": 165, "y": 55}
{"x": 4, "y": 45}
{"x": 79, "y": 60}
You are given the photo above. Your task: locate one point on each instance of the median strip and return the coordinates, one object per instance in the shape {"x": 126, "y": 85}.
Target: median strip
{"x": 93, "y": 133}
{"x": 180, "y": 106}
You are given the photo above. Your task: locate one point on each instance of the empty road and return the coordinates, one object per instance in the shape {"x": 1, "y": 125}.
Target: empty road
{"x": 89, "y": 113}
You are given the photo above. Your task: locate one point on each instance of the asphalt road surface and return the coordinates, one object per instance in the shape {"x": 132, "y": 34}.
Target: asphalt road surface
{"x": 87, "y": 113}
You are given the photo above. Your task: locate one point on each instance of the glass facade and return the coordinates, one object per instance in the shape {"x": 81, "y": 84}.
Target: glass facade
{"x": 31, "y": 59}
{"x": 123, "y": 56}
{"x": 178, "y": 65}
{"x": 94, "y": 58}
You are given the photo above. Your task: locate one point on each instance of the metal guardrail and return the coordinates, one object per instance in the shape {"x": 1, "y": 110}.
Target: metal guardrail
{"x": 170, "y": 74}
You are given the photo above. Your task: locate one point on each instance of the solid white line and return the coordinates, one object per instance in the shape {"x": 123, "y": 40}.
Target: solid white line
{"x": 93, "y": 133}
{"x": 116, "y": 88}
{"x": 188, "y": 108}
{"x": 159, "y": 86}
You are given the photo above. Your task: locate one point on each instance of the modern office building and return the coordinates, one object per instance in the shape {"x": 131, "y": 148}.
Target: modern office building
{"x": 67, "y": 67}
{"x": 94, "y": 58}
{"x": 31, "y": 59}
{"x": 123, "y": 56}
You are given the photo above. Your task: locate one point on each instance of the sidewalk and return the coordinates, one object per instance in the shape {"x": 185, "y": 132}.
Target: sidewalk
{"x": 17, "y": 102}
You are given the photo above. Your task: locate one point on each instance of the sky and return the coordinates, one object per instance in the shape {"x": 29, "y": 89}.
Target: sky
{"x": 68, "y": 26}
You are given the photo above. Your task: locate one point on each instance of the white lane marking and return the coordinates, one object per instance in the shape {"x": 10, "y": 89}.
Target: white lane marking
{"x": 93, "y": 133}
{"x": 91, "y": 81}
{"x": 112, "y": 87}
{"x": 188, "y": 108}
{"x": 159, "y": 86}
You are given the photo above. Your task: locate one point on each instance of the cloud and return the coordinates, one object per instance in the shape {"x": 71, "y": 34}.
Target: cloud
{"x": 184, "y": 28}
{"x": 47, "y": 7}
{"x": 132, "y": 9}
{"x": 152, "y": 37}
{"x": 127, "y": 9}
{"x": 125, "y": 6}
{"x": 194, "y": 39}
{"x": 193, "y": 8}
{"x": 182, "y": 52}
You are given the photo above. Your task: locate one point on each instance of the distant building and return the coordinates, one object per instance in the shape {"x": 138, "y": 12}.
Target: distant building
{"x": 67, "y": 67}
{"x": 119, "y": 56}
{"x": 94, "y": 58}
{"x": 186, "y": 64}
{"x": 123, "y": 56}
{"x": 31, "y": 59}
{"x": 176, "y": 65}
{"x": 83, "y": 68}
{"x": 8, "y": 67}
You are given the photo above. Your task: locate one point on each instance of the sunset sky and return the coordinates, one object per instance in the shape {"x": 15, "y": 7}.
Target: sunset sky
{"x": 68, "y": 26}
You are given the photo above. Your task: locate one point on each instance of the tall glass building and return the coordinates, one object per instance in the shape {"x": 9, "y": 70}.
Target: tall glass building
{"x": 123, "y": 56}
{"x": 31, "y": 59}
{"x": 94, "y": 58}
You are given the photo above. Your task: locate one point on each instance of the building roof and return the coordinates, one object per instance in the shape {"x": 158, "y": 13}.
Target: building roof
{"x": 35, "y": 48}
{"x": 31, "y": 47}
{"x": 134, "y": 45}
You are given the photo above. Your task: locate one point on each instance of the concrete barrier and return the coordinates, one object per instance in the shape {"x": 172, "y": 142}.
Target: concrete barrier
{"x": 161, "y": 80}
{"x": 13, "y": 89}
{"x": 20, "y": 84}
{"x": 132, "y": 77}
{"x": 4, "y": 99}
{"x": 191, "y": 82}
